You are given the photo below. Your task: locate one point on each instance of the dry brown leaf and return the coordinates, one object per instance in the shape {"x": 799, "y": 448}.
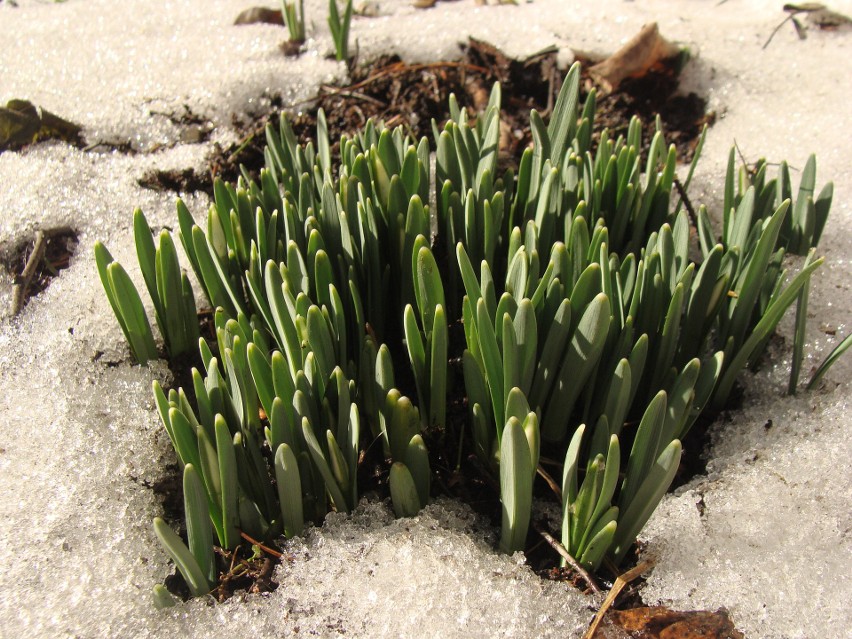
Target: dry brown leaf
{"x": 22, "y": 123}
{"x": 635, "y": 58}
{"x": 658, "y": 622}
{"x": 260, "y": 15}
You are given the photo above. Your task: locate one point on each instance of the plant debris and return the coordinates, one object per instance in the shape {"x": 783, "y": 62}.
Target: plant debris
{"x": 645, "y": 51}
{"x": 33, "y": 264}
{"x": 260, "y": 15}
{"x": 177, "y": 180}
{"x": 412, "y": 95}
{"x": 816, "y": 14}
{"x": 22, "y": 123}
{"x": 658, "y": 622}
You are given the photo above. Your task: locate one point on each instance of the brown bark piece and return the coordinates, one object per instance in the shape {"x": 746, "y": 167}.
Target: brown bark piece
{"x": 634, "y": 59}
{"x": 658, "y": 622}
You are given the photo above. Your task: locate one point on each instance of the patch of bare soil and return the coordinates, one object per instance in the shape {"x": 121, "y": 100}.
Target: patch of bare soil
{"x": 34, "y": 263}
{"x": 412, "y": 95}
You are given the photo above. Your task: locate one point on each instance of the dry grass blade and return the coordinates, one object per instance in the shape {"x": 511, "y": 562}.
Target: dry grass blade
{"x": 620, "y": 582}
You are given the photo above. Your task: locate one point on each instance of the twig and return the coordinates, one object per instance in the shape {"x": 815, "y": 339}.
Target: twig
{"x": 263, "y": 582}
{"x": 559, "y": 548}
{"x": 23, "y": 283}
{"x": 400, "y": 67}
{"x": 359, "y": 96}
{"x": 550, "y": 482}
{"x": 685, "y": 199}
{"x": 777, "y": 29}
{"x": 265, "y": 549}
{"x": 617, "y": 587}
{"x": 793, "y": 10}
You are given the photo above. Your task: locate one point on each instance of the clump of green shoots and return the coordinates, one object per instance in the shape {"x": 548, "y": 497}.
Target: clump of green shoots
{"x": 294, "y": 19}
{"x": 591, "y": 333}
{"x": 340, "y": 28}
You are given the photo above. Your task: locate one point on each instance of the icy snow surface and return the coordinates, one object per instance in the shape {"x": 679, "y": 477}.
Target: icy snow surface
{"x": 766, "y": 533}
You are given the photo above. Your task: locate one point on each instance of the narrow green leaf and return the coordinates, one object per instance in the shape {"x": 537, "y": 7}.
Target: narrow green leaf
{"x": 762, "y": 331}
{"x": 430, "y": 290}
{"x": 417, "y": 355}
{"x": 163, "y": 598}
{"x": 404, "y": 495}
{"x": 417, "y": 462}
{"x": 646, "y": 447}
{"x": 198, "y": 529}
{"x": 180, "y": 554}
{"x": 580, "y": 359}
{"x": 516, "y": 479}
{"x": 321, "y": 464}
{"x": 131, "y": 313}
{"x": 828, "y": 362}
{"x": 492, "y": 360}
{"x": 228, "y": 482}
{"x": 438, "y": 370}
{"x": 655, "y": 484}
{"x": 551, "y": 355}
{"x": 800, "y": 334}
{"x": 599, "y": 544}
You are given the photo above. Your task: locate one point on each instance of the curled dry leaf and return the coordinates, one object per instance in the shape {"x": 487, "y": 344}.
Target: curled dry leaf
{"x": 635, "y": 58}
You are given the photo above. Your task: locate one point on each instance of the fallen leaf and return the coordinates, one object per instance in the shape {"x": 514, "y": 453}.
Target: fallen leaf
{"x": 827, "y": 19}
{"x": 804, "y": 6}
{"x": 658, "y": 622}
{"x": 260, "y": 15}
{"x": 22, "y": 123}
{"x": 634, "y": 59}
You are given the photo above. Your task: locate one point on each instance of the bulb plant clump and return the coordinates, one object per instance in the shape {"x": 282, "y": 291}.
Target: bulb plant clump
{"x": 357, "y": 301}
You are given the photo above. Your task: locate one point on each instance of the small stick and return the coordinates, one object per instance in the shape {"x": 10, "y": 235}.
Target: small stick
{"x": 359, "y": 96}
{"x": 23, "y": 283}
{"x": 265, "y": 549}
{"x": 617, "y": 587}
{"x": 550, "y": 482}
{"x": 686, "y": 202}
{"x": 399, "y": 67}
{"x": 559, "y": 548}
{"x": 777, "y": 29}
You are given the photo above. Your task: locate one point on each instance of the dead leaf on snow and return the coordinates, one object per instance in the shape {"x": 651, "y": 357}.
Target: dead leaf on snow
{"x": 828, "y": 19}
{"x": 260, "y": 15}
{"x": 634, "y": 59}
{"x": 22, "y": 123}
{"x": 658, "y": 622}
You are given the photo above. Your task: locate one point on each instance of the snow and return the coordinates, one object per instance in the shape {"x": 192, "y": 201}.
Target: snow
{"x": 766, "y": 533}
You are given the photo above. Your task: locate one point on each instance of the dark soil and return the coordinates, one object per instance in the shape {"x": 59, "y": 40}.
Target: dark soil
{"x": 411, "y": 96}
{"x": 59, "y": 245}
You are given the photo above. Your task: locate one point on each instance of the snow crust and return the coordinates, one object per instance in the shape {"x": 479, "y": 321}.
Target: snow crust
{"x": 766, "y": 533}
